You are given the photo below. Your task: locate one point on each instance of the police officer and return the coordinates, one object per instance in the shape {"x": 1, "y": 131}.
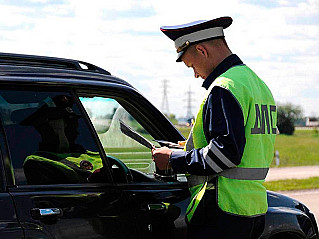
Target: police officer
{"x": 231, "y": 145}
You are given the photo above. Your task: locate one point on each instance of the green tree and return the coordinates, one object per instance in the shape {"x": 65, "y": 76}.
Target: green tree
{"x": 172, "y": 118}
{"x": 288, "y": 114}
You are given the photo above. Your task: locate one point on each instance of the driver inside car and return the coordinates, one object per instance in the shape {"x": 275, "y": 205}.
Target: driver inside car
{"x": 59, "y": 159}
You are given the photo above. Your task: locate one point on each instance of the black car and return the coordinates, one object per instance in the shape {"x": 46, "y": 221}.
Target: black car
{"x": 76, "y": 160}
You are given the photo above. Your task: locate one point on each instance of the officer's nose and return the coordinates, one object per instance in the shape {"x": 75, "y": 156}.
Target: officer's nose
{"x": 196, "y": 74}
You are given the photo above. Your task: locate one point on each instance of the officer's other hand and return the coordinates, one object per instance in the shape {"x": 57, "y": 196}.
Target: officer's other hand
{"x": 161, "y": 157}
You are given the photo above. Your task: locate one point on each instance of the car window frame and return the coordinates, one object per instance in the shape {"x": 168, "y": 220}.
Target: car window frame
{"x": 4, "y": 171}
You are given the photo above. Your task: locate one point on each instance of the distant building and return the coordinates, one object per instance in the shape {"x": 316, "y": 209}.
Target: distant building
{"x": 312, "y": 122}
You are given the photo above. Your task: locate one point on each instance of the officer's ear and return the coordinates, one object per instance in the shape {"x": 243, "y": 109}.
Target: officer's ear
{"x": 201, "y": 49}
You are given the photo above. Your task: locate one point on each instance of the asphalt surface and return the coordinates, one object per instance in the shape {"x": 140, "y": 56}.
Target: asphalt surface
{"x": 308, "y": 197}
{"x": 292, "y": 173}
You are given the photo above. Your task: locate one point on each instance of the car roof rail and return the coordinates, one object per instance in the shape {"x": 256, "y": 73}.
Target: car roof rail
{"x": 49, "y": 62}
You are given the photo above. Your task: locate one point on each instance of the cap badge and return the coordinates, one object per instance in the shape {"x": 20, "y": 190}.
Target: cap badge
{"x": 182, "y": 47}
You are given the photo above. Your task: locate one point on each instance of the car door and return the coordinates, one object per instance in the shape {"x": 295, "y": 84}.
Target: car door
{"x": 158, "y": 202}
{"x": 49, "y": 203}
{"x": 9, "y": 224}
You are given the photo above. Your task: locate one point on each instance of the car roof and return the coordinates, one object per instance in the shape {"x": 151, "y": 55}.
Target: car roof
{"x": 43, "y": 66}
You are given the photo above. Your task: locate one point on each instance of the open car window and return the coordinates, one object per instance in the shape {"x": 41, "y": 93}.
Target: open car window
{"x": 49, "y": 140}
{"x": 106, "y": 114}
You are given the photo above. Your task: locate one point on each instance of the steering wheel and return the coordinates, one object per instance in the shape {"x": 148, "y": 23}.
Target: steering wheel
{"x": 121, "y": 172}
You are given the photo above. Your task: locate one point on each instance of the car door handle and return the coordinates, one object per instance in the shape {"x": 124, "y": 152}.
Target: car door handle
{"x": 38, "y": 213}
{"x": 156, "y": 207}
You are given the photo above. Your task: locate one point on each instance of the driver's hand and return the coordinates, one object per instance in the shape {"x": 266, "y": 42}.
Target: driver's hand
{"x": 161, "y": 157}
{"x": 97, "y": 176}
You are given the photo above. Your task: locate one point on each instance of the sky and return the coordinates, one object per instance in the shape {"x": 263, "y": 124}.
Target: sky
{"x": 278, "y": 39}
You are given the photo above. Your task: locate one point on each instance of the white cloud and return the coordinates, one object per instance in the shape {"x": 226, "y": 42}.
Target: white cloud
{"x": 279, "y": 43}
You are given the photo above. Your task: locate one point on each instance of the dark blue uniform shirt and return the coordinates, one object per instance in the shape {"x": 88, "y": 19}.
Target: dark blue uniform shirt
{"x": 223, "y": 125}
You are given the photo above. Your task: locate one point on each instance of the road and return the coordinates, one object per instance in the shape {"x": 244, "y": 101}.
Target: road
{"x": 292, "y": 173}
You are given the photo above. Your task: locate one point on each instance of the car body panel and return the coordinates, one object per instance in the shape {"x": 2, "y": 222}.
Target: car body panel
{"x": 9, "y": 224}
{"x": 87, "y": 211}
{"x": 287, "y": 215}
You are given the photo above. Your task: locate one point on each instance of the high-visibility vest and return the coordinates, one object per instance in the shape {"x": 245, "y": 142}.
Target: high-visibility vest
{"x": 67, "y": 164}
{"x": 240, "y": 190}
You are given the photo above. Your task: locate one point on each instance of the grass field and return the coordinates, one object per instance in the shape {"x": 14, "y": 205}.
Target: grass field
{"x": 139, "y": 158}
{"x": 299, "y": 149}
{"x": 184, "y": 130}
{"x": 293, "y": 184}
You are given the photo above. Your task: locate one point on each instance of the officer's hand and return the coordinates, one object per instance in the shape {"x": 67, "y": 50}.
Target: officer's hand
{"x": 161, "y": 157}
{"x": 181, "y": 143}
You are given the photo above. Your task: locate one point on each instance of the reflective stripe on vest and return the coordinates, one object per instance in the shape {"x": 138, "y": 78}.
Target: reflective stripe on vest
{"x": 232, "y": 173}
{"x": 197, "y": 195}
{"x": 245, "y": 173}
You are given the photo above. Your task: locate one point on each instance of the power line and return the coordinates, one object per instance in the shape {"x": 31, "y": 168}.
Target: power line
{"x": 189, "y": 113}
{"x": 165, "y": 108}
